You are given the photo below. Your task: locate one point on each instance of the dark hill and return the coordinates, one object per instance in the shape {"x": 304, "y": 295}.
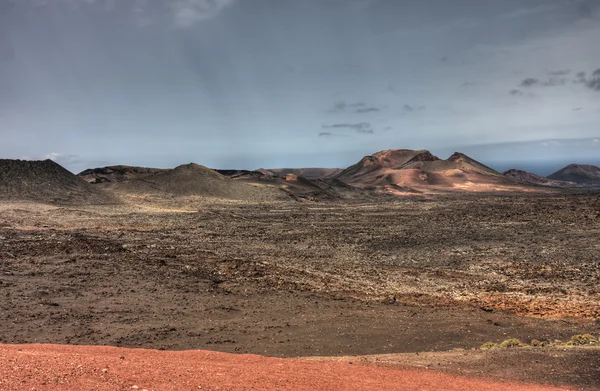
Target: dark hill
{"x": 194, "y": 180}
{"x": 117, "y": 173}
{"x": 46, "y": 181}
{"x": 583, "y": 174}
{"x": 528, "y": 177}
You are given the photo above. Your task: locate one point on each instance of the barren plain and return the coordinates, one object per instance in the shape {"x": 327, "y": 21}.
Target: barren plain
{"x": 296, "y": 279}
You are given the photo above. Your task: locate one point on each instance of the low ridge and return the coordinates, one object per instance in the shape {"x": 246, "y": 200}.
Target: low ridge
{"x": 310, "y": 173}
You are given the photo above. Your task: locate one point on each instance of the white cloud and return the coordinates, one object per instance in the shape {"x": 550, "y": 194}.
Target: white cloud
{"x": 140, "y": 15}
{"x": 596, "y": 141}
{"x": 52, "y": 156}
{"x": 189, "y": 12}
{"x": 551, "y": 143}
{"x": 60, "y": 158}
{"x": 73, "y": 163}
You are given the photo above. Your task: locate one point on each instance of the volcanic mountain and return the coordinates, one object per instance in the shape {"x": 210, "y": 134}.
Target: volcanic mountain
{"x": 192, "y": 180}
{"x": 528, "y": 177}
{"x": 409, "y": 170}
{"x": 117, "y": 173}
{"x": 584, "y": 174}
{"x": 46, "y": 181}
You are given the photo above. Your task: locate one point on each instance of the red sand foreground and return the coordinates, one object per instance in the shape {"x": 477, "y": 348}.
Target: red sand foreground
{"x": 59, "y": 367}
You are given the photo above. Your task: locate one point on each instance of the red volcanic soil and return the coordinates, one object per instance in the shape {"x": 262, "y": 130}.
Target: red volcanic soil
{"x": 61, "y": 367}
{"x": 402, "y": 170}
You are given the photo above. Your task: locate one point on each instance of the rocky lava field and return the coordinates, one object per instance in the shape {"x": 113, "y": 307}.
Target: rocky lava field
{"x": 290, "y": 279}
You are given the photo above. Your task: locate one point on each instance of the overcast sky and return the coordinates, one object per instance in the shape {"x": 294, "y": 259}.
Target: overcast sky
{"x": 271, "y": 83}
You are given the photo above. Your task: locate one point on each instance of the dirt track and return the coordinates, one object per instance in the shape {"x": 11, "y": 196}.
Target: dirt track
{"x": 46, "y": 367}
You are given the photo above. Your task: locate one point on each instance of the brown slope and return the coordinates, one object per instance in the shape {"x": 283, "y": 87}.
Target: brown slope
{"x": 405, "y": 170}
{"x": 300, "y": 187}
{"x": 309, "y": 173}
{"x": 48, "y": 182}
{"x": 579, "y": 173}
{"x": 394, "y": 159}
{"x": 528, "y": 177}
{"x": 193, "y": 180}
{"x": 117, "y": 173}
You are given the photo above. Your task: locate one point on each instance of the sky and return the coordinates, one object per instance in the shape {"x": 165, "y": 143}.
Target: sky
{"x": 299, "y": 83}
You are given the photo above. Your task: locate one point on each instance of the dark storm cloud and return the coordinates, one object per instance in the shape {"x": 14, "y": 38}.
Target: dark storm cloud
{"x": 594, "y": 81}
{"x": 551, "y": 82}
{"x": 530, "y": 81}
{"x": 361, "y": 127}
{"x": 580, "y": 78}
{"x": 368, "y": 110}
{"x": 516, "y": 92}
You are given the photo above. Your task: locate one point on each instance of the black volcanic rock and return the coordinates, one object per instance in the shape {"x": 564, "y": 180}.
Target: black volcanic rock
{"x": 244, "y": 174}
